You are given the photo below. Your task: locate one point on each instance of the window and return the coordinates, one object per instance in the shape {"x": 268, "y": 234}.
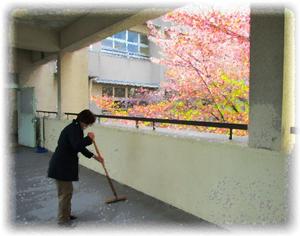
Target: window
{"x": 107, "y": 91}
{"x": 144, "y": 50}
{"x": 126, "y": 43}
{"x": 120, "y": 35}
{"x": 133, "y": 48}
{"x": 107, "y": 43}
{"x": 120, "y": 92}
{"x": 144, "y": 39}
{"x": 120, "y": 46}
{"x": 131, "y": 92}
{"x": 133, "y": 37}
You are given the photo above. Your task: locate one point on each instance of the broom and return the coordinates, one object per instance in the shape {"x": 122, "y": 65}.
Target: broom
{"x": 116, "y": 198}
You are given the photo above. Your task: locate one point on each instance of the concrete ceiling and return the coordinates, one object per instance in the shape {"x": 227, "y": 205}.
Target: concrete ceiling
{"x": 57, "y": 19}
{"x": 52, "y": 30}
{"x": 51, "y": 19}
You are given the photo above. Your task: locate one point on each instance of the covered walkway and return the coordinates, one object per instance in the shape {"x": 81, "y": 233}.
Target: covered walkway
{"x": 35, "y": 200}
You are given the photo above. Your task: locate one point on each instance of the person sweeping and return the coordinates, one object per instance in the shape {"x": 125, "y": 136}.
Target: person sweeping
{"x": 63, "y": 165}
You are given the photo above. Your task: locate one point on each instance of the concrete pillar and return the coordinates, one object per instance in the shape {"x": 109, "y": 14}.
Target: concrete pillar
{"x": 289, "y": 84}
{"x": 126, "y": 92}
{"x": 73, "y": 83}
{"x": 59, "y": 110}
{"x": 90, "y": 87}
{"x": 266, "y": 77}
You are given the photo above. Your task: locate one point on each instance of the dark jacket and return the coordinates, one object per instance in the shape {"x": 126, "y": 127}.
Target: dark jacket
{"x": 64, "y": 162}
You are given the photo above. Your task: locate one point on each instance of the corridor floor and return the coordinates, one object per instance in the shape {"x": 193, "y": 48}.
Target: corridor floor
{"x": 34, "y": 200}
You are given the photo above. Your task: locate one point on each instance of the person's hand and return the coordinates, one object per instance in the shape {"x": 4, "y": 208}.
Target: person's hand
{"x": 99, "y": 158}
{"x": 91, "y": 135}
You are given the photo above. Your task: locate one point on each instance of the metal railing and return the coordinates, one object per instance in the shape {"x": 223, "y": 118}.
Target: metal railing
{"x": 230, "y": 126}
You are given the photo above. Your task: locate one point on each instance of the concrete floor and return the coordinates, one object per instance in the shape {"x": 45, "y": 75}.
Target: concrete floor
{"x": 35, "y": 200}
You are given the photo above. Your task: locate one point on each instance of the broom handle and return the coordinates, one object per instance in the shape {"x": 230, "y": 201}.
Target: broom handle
{"x": 106, "y": 173}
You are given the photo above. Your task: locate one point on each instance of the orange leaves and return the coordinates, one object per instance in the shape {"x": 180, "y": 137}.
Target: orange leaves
{"x": 206, "y": 54}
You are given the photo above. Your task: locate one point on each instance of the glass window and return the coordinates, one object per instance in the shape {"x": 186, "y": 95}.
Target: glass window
{"x": 144, "y": 39}
{"x": 127, "y": 43}
{"x": 107, "y": 91}
{"x": 144, "y": 50}
{"x": 133, "y": 48}
{"x": 133, "y": 37}
{"x": 120, "y": 35}
{"x": 120, "y": 46}
{"x": 107, "y": 43}
{"x": 119, "y": 92}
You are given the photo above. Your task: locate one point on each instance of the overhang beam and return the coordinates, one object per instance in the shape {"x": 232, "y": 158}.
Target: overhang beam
{"x": 91, "y": 31}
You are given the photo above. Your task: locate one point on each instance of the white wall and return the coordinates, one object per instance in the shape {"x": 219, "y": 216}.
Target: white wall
{"x": 221, "y": 182}
{"x": 111, "y": 67}
{"x": 41, "y": 77}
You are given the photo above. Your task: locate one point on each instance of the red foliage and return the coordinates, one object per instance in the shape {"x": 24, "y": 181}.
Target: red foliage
{"x": 206, "y": 54}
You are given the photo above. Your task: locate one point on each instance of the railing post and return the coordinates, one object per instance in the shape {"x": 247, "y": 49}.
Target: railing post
{"x": 230, "y": 134}
{"x": 137, "y": 124}
{"x": 153, "y": 125}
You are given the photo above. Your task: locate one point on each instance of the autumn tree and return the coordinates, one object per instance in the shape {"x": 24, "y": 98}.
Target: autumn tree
{"x": 206, "y": 55}
{"x": 207, "y": 59}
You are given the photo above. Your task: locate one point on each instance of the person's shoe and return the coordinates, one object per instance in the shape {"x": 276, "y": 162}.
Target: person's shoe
{"x": 73, "y": 217}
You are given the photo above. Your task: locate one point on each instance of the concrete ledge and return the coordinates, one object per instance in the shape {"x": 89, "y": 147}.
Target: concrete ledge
{"x": 223, "y": 183}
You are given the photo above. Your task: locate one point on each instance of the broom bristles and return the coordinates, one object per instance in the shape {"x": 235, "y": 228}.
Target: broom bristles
{"x": 116, "y": 199}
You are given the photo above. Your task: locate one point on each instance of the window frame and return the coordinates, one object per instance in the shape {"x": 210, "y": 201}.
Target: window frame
{"x": 126, "y": 42}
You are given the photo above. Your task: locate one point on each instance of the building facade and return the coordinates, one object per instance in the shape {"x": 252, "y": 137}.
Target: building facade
{"x": 120, "y": 64}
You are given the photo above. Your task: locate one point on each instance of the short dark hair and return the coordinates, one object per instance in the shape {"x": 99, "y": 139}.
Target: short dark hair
{"x": 86, "y": 116}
